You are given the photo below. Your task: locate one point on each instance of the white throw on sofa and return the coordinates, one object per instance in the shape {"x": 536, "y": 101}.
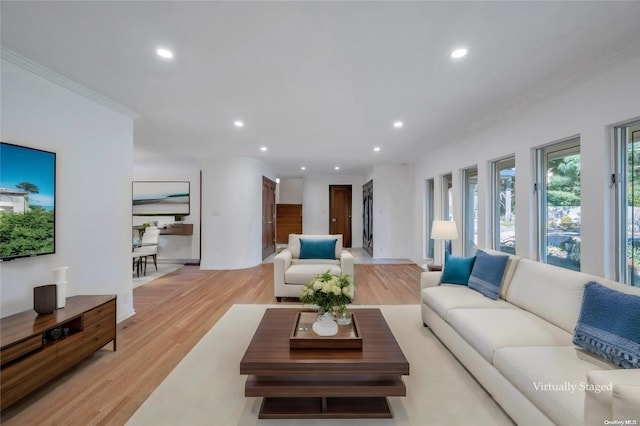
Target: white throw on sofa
{"x": 291, "y": 273}
{"x": 519, "y": 347}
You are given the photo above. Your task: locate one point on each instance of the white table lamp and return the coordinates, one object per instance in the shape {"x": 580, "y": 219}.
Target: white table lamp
{"x": 444, "y": 230}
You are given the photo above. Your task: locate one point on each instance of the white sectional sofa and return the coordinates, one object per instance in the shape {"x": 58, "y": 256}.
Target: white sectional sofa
{"x": 520, "y": 348}
{"x": 291, "y": 273}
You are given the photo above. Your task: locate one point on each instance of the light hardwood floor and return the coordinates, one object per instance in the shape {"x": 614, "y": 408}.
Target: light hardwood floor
{"x": 172, "y": 314}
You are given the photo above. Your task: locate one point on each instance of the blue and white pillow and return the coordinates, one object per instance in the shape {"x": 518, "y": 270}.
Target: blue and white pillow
{"x": 487, "y": 273}
{"x": 609, "y": 325}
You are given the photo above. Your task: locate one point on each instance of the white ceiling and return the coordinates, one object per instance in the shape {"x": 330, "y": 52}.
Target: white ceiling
{"x": 319, "y": 83}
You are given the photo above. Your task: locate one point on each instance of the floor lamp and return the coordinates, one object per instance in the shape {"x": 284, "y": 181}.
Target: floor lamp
{"x": 444, "y": 230}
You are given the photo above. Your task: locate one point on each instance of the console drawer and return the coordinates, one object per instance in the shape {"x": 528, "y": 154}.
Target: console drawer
{"x": 16, "y": 351}
{"x": 98, "y": 334}
{"x": 24, "y": 375}
{"x": 107, "y": 310}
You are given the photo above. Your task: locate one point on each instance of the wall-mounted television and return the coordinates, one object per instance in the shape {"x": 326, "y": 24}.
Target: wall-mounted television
{"x": 27, "y": 201}
{"x": 161, "y": 198}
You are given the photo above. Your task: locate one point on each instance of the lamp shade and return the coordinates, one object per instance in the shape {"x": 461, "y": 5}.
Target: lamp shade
{"x": 444, "y": 230}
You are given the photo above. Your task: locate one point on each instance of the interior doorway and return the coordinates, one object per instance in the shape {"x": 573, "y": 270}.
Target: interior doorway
{"x": 340, "y": 212}
{"x": 268, "y": 217}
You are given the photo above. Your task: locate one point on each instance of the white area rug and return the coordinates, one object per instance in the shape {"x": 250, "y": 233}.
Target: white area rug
{"x": 207, "y": 389}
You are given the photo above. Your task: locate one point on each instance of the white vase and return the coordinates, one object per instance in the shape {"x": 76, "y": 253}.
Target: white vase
{"x": 61, "y": 294}
{"x": 60, "y": 274}
{"x": 325, "y": 326}
{"x": 60, "y": 278}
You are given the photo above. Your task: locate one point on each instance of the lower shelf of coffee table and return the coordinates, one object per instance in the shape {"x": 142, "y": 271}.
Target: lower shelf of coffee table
{"x": 324, "y": 386}
{"x": 325, "y": 408}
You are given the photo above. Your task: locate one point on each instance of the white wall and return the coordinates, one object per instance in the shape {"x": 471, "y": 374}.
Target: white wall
{"x": 232, "y": 212}
{"x": 588, "y": 110}
{"x": 315, "y": 205}
{"x": 392, "y": 211}
{"x": 290, "y": 191}
{"x": 174, "y": 246}
{"x": 94, "y": 147}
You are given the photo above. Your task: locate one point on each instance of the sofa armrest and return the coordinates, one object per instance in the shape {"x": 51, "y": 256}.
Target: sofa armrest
{"x": 430, "y": 279}
{"x": 346, "y": 264}
{"x": 608, "y": 391}
{"x": 281, "y": 263}
{"x": 626, "y": 403}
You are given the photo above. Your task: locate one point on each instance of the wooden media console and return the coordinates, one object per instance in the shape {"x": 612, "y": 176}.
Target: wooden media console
{"x": 36, "y": 348}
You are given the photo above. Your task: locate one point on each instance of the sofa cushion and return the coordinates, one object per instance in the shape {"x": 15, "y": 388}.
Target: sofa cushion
{"x": 303, "y": 273}
{"x": 552, "y": 377}
{"x": 294, "y": 243}
{"x": 609, "y": 325}
{"x": 445, "y": 297}
{"x": 550, "y": 292}
{"x": 315, "y": 248}
{"x": 315, "y": 262}
{"x": 490, "y": 329}
{"x": 488, "y": 271}
{"x": 457, "y": 269}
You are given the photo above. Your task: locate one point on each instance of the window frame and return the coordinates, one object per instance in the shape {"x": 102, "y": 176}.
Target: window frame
{"x": 619, "y": 184}
{"x": 560, "y": 149}
{"x": 447, "y": 196}
{"x": 469, "y": 217}
{"x": 429, "y": 211}
{"x": 496, "y": 228}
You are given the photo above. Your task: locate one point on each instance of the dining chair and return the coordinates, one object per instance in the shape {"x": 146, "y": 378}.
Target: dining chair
{"x": 149, "y": 246}
{"x": 137, "y": 262}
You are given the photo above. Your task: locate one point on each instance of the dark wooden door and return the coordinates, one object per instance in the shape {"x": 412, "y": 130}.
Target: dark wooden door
{"x": 367, "y": 217}
{"x": 268, "y": 217}
{"x": 340, "y": 212}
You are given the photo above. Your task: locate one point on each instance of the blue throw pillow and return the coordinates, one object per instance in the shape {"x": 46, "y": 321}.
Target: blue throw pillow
{"x": 317, "y": 248}
{"x": 456, "y": 269}
{"x": 486, "y": 276}
{"x": 609, "y": 325}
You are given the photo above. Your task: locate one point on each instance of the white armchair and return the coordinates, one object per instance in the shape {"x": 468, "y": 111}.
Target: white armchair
{"x": 290, "y": 273}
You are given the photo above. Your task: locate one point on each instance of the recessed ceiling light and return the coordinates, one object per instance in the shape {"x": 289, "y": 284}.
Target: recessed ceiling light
{"x": 263, "y": 148}
{"x": 398, "y": 124}
{"x": 376, "y": 149}
{"x": 337, "y": 168}
{"x": 303, "y": 168}
{"x": 164, "y": 53}
{"x": 459, "y": 53}
{"x": 238, "y": 123}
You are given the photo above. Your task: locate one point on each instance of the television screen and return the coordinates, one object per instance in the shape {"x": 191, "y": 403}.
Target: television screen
{"x": 27, "y": 201}
{"x": 157, "y": 198}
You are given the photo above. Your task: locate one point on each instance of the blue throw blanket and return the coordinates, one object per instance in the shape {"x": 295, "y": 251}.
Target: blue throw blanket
{"x": 609, "y": 325}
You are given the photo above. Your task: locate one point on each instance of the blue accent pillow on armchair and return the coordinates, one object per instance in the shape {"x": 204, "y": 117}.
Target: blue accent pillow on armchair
{"x": 317, "y": 248}
{"x": 456, "y": 269}
{"x": 609, "y": 325}
{"x": 487, "y": 273}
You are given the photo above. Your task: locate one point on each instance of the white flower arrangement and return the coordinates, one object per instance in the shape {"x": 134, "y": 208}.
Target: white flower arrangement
{"x": 330, "y": 292}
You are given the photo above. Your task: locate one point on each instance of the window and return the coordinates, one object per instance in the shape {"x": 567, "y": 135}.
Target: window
{"x": 447, "y": 197}
{"x": 504, "y": 204}
{"x": 470, "y": 210}
{"x": 558, "y": 200}
{"x": 627, "y": 139}
{"x": 428, "y": 215}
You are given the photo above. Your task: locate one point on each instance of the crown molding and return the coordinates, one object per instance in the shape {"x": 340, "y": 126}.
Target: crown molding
{"x": 37, "y": 69}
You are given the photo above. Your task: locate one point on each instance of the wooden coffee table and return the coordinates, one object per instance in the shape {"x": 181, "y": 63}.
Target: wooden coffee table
{"x": 323, "y": 383}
